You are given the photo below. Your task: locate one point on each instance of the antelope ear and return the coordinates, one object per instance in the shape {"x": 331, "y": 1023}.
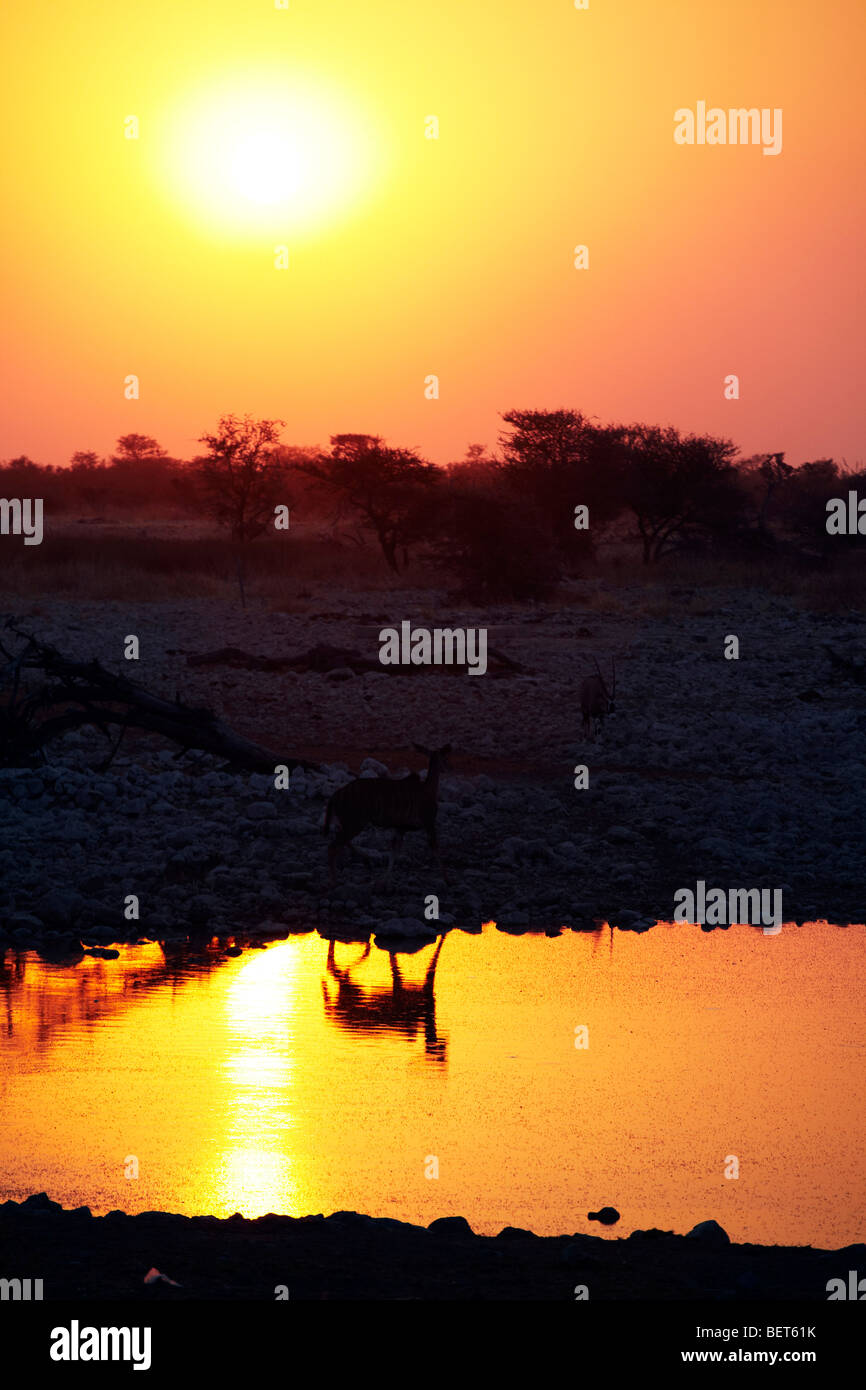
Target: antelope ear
{"x": 419, "y": 748}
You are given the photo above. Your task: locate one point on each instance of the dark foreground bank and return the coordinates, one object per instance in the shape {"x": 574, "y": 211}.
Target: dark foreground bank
{"x": 349, "y": 1256}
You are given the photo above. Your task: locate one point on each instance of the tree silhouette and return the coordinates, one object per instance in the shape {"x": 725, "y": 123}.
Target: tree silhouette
{"x": 132, "y": 448}
{"x": 89, "y": 475}
{"x": 774, "y": 473}
{"x": 557, "y": 460}
{"x": 498, "y": 552}
{"x": 679, "y": 487}
{"x": 241, "y": 481}
{"x": 390, "y": 490}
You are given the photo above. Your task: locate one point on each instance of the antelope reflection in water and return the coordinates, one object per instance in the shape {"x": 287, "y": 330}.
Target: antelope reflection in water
{"x": 406, "y": 1008}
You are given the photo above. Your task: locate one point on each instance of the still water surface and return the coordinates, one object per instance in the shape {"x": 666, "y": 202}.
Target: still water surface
{"x": 292, "y": 1079}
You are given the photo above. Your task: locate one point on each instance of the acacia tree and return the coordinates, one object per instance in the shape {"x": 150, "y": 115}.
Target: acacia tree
{"x": 389, "y": 489}
{"x": 140, "y": 471}
{"x": 132, "y": 448}
{"x": 679, "y": 487}
{"x": 241, "y": 480}
{"x": 89, "y": 476}
{"x": 556, "y": 460}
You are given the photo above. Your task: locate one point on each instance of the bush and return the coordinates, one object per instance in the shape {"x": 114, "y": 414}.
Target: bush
{"x": 496, "y": 549}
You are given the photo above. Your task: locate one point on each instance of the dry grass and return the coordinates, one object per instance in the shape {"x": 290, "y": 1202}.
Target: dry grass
{"x": 149, "y": 562}
{"x": 145, "y": 567}
{"x": 680, "y": 584}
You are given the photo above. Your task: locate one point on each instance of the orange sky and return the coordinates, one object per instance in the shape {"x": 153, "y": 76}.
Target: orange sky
{"x": 410, "y": 256}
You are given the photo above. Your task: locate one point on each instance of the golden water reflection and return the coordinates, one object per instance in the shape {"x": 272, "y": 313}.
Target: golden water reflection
{"x": 308, "y": 1077}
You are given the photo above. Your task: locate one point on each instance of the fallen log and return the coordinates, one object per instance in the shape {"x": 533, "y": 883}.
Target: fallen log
{"x": 84, "y": 693}
{"x": 323, "y": 658}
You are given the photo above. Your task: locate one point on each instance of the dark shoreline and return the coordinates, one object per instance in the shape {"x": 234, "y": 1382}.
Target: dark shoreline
{"x": 398, "y": 936}
{"x": 355, "y": 1257}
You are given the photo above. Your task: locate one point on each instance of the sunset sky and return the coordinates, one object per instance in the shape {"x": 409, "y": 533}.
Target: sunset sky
{"x": 411, "y": 256}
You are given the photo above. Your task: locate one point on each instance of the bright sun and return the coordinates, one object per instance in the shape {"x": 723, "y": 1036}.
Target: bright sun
{"x": 272, "y": 159}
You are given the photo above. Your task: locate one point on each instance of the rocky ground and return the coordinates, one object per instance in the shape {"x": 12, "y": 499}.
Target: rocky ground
{"x": 348, "y": 1256}
{"x": 743, "y": 773}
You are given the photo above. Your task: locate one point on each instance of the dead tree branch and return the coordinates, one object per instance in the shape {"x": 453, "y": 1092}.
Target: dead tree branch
{"x": 72, "y": 694}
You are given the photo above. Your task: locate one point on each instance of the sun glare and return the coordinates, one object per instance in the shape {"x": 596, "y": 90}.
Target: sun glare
{"x": 272, "y": 160}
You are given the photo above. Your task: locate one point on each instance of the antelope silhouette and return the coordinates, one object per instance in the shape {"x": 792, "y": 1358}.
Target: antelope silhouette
{"x": 406, "y": 1009}
{"x": 596, "y": 699}
{"x": 399, "y": 805}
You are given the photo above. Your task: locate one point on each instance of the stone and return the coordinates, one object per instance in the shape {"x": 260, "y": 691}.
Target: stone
{"x": 40, "y": 1201}
{"x": 608, "y": 1216}
{"x": 709, "y": 1233}
{"x": 622, "y": 835}
{"x": 59, "y": 907}
{"x": 450, "y": 1226}
{"x": 371, "y": 767}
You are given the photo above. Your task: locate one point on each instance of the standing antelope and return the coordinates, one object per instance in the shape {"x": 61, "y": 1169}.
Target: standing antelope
{"x": 405, "y": 804}
{"x": 595, "y": 699}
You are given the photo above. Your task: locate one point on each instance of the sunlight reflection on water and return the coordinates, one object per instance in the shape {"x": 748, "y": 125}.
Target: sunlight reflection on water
{"x": 302, "y": 1078}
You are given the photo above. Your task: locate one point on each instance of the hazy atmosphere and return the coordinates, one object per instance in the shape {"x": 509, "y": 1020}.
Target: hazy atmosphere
{"x": 432, "y": 675}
